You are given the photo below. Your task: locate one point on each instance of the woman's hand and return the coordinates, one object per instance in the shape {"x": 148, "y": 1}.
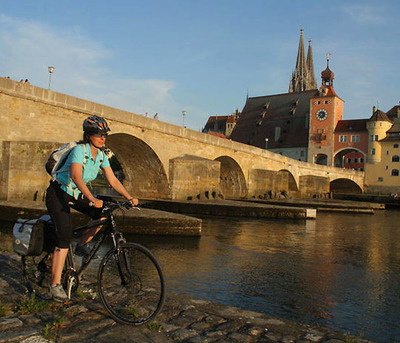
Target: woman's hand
{"x": 96, "y": 203}
{"x": 134, "y": 201}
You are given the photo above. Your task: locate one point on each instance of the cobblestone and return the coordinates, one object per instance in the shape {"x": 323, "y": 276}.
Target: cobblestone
{"x": 183, "y": 319}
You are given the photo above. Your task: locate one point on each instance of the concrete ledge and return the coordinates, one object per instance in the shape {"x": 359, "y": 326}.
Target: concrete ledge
{"x": 145, "y": 221}
{"x": 326, "y": 205}
{"x": 231, "y": 209}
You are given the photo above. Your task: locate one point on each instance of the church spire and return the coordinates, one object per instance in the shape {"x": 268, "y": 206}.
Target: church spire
{"x": 303, "y": 77}
{"x": 312, "y": 82}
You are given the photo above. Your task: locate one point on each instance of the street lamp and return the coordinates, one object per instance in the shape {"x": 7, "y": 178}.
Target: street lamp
{"x": 183, "y": 117}
{"x": 51, "y": 69}
{"x": 266, "y": 143}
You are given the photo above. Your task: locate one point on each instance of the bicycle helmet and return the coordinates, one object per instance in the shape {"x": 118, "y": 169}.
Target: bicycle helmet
{"x": 95, "y": 124}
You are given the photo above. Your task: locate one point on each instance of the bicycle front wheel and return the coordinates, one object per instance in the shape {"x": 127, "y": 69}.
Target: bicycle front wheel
{"x": 131, "y": 284}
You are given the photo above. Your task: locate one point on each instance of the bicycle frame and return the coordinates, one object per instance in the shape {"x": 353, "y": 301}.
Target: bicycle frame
{"x": 108, "y": 229}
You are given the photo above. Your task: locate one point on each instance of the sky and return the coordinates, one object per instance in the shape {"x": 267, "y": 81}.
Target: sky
{"x": 202, "y": 57}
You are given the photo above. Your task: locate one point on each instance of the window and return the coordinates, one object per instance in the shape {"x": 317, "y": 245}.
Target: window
{"x": 356, "y": 160}
{"x": 395, "y": 145}
{"x": 362, "y": 169}
{"x": 376, "y": 138}
{"x": 355, "y": 138}
{"x": 387, "y": 152}
{"x": 361, "y": 160}
{"x": 371, "y": 138}
{"x": 395, "y": 158}
{"x": 342, "y": 139}
{"x": 395, "y": 172}
{"x": 327, "y": 102}
{"x": 373, "y": 151}
{"x": 380, "y": 179}
{"x": 349, "y": 160}
{"x": 387, "y": 167}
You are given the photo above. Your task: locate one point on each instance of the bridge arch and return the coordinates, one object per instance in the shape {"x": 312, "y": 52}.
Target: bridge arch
{"x": 343, "y": 185}
{"x": 232, "y": 180}
{"x": 340, "y": 154}
{"x": 292, "y": 185}
{"x": 321, "y": 159}
{"x": 144, "y": 172}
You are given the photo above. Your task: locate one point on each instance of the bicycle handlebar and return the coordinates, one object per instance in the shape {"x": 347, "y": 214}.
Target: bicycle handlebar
{"x": 111, "y": 206}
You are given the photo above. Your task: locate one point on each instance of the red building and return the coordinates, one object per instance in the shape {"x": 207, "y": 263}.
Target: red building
{"x": 351, "y": 143}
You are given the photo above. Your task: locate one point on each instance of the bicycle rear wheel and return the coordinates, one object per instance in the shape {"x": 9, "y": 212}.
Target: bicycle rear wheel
{"x": 36, "y": 273}
{"x": 131, "y": 284}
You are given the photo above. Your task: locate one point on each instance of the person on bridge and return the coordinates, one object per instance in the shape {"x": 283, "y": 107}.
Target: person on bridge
{"x": 69, "y": 190}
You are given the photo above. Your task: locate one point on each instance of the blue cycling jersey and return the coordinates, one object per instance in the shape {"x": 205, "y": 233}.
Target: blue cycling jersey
{"x": 90, "y": 170}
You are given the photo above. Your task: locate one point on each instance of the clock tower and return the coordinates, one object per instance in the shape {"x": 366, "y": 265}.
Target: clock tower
{"x": 326, "y": 109}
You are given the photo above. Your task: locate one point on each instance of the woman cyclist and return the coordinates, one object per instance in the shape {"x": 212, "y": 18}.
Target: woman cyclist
{"x": 69, "y": 190}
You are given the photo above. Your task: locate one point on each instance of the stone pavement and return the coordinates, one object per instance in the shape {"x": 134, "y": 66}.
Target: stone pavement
{"x": 183, "y": 319}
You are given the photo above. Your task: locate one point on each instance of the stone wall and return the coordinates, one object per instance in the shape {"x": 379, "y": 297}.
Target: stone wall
{"x": 194, "y": 178}
{"x": 269, "y": 184}
{"x": 314, "y": 186}
{"x": 23, "y": 173}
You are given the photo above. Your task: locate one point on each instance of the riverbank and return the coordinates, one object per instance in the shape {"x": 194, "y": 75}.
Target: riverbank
{"x": 183, "y": 319}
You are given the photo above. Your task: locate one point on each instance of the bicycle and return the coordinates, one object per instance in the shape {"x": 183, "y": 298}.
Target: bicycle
{"x": 130, "y": 281}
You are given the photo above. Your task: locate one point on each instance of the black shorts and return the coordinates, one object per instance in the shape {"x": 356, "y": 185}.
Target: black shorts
{"x": 59, "y": 204}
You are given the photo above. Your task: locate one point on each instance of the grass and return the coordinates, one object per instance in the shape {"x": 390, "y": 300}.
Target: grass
{"x": 30, "y": 304}
{"x": 51, "y": 331}
{"x": 352, "y": 339}
{"x": 154, "y": 326}
{"x": 131, "y": 311}
{"x": 3, "y": 309}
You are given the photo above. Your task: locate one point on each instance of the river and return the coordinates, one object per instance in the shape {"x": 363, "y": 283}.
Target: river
{"x": 340, "y": 271}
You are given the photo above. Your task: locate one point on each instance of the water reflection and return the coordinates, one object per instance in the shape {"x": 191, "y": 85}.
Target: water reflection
{"x": 340, "y": 271}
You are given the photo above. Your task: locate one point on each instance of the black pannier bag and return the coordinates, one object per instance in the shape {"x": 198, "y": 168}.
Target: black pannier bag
{"x": 33, "y": 236}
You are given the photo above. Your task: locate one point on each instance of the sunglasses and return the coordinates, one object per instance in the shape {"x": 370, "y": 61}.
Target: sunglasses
{"x": 99, "y": 135}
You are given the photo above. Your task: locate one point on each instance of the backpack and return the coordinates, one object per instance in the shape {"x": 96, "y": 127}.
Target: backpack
{"x": 33, "y": 236}
{"x": 58, "y": 157}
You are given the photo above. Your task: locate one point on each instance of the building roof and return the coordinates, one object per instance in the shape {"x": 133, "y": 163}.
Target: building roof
{"x": 378, "y": 115}
{"x": 217, "y": 134}
{"x": 261, "y": 115}
{"x": 354, "y": 125}
{"x": 393, "y": 134}
{"x": 216, "y": 123}
{"x": 394, "y": 112}
{"x": 231, "y": 119}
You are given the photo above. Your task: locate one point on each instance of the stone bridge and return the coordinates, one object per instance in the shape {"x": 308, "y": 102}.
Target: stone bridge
{"x": 159, "y": 160}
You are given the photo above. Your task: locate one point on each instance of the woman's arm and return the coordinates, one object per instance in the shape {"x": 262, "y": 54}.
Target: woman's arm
{"x": 76, "y": 176}
{"x": 117, "y": 185}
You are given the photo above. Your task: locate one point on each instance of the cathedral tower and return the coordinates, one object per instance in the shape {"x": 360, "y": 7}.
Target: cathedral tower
{"x": 303, "y": 78}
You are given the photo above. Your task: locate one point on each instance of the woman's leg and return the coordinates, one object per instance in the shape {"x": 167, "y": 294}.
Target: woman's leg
{"x": 88, "y": 234}
{"x": 57, "y": 203}
{"x": 59, "y": 256}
